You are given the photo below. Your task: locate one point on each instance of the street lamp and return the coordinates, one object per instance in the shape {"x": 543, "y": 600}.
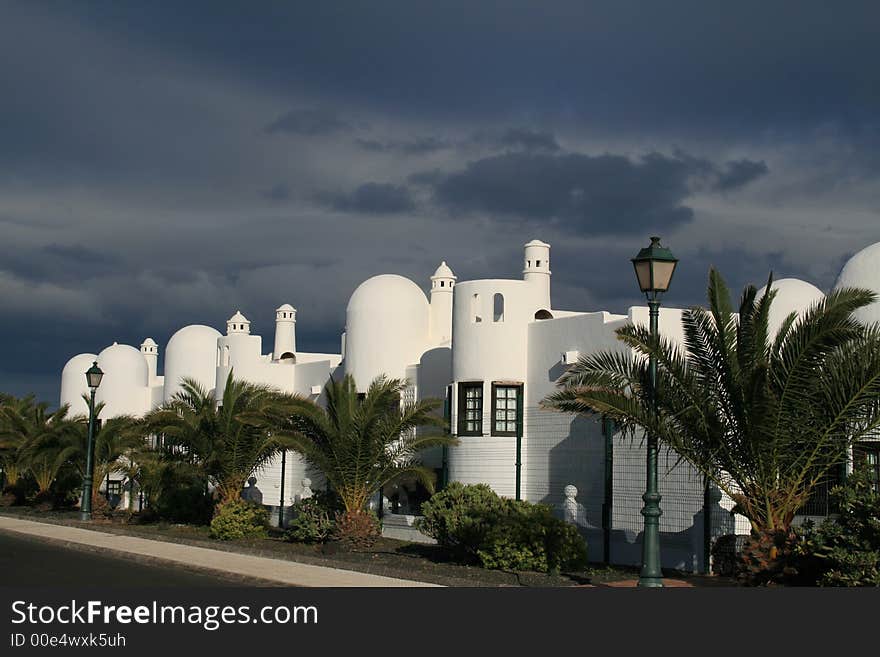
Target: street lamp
{"x": 654, "y": 267}
{"x": 93, "y": 378}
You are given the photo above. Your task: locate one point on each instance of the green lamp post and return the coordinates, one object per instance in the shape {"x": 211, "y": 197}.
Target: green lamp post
{"x": 654, "y": 267}
{"x": 93, "y": 377}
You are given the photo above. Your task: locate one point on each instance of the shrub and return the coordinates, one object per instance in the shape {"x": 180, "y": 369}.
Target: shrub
{"x": 725, "y": 554}
{"x": 239, "y": 519}
{"x": 356, "y": 529}
{"x": 845, "y": 551}
{"x": 460, "y": 518}
{"x": 476, "y": 525}
{"x": 185, "y": 501}
{"x": 310, "y": 522}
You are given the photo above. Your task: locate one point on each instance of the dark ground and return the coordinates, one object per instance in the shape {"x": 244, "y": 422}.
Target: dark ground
{"x": 30, "y": 562}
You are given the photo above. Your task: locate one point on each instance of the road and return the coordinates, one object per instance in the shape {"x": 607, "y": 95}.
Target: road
{"x": 27, "y": 561}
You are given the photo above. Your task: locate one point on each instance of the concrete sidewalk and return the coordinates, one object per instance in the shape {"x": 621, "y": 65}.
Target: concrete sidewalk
{"x": 275, "y": 570}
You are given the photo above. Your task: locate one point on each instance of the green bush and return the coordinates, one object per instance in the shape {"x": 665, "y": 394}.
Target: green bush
{"x": 474, "y": 524}
{"x": 183, "y": 499}
{"x": 310, "y": 522}
{"x": 239, "y": 519}
{"x": 461, "y": 517}
{"x": 845, "y": 551}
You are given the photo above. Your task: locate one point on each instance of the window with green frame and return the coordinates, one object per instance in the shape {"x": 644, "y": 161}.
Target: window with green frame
{"x": 867, "y": 455}
{"x": 470, "y": 409}
{"x": 506, "y": 399}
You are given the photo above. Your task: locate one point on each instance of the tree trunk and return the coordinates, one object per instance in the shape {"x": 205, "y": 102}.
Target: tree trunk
{"x": 766, "y": 558}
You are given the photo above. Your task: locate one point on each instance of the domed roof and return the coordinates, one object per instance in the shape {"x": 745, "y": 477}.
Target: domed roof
{"x": 537, "y": 243}
{"x": 79, "y": 362}
{"x": 73, "y": 383}
{"x": 191, "y": 352}
{"x": 238, "y": 317}
{"x": 443, "y": 271}
{"x": 792, "y": 295}
{"x": 388, "y": 290}
{"x": 191, "y": 335}
{"x": 123, "y": 365}
{"x": 387, "y": 328}
{"x": 149, "y": 342}
{"x": 285, "y": 306}
{"x": 863, "y": 270}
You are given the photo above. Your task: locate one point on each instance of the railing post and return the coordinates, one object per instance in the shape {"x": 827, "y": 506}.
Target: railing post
{"x": 519, "y": 437}
{"x": 608, "y": 501}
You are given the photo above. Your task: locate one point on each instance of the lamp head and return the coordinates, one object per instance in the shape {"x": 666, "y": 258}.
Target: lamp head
{"x": 654, "y": 267}
{"x": 94, "y": 375}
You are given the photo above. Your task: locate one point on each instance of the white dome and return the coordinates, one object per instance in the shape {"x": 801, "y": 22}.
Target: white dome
{"x": 792, "y": 295}
{"x": 191, "y": 353}
{"x": 387, "y": 328}
{"x": 285, "y": 306}
{"x": 863, "y": 270}
{"x": 149, "y": 342}
{"x": 74, "y": 385}
{"x": 123, "y": 390}
{"x": 443, "y": 271}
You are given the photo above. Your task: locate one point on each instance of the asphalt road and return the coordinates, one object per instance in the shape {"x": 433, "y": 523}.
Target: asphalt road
{"x": 27, "y": 561}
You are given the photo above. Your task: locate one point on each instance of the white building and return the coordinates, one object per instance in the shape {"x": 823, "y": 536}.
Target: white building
{"x": 493, "y": 349}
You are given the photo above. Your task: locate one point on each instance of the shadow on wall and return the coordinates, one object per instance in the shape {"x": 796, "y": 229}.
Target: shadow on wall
{"x": 577, "y": 458}
{"x": 555, "y": 372}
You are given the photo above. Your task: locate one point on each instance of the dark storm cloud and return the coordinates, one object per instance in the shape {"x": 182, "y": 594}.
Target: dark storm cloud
{"x": 372, "y": 198}
{"x": 417, "y": 146}
{"x": 59, "y": 263}
{"x": 599, "y": 194}
{"x": 740, "y": 173}
{"x": 279, "y": 192}
{"x": 310, "y": 122}
{"x": 520, "y": 139}
{"x": 680, "y": 66}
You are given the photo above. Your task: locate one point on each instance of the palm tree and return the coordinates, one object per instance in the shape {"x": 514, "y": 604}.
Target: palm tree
{"x": 225, "y": 441}
{"x": 361, "y": 445}
{"x": 29, "y": 440}
{"x": 116, "y": 440}
{"x": 767, "y": 418}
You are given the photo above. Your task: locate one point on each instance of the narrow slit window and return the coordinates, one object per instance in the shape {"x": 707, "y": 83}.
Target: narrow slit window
{"x": 475, "y": 308}
{"x": 498, "y": 303}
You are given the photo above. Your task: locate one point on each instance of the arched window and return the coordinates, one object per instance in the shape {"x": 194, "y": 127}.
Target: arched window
{"x": 498, "y": 303}
{"x": 543, "y": 314}
{"x": 226, "y": 356}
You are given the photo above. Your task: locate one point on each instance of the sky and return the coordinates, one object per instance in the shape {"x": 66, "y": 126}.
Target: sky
{"x": 169, "y": 163}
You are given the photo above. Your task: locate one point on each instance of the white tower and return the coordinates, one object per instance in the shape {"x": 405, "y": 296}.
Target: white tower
{"x": 536, "y": 271}
{"x": 442, "y": 283}
{"x": 150, "y": 350}
{"x": 238, "y": 323}
{"x": 285, "y": 333}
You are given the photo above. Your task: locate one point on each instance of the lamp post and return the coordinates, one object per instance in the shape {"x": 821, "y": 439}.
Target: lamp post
{"x": 654, "y": 267}
{"x": 93, "y": 377}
